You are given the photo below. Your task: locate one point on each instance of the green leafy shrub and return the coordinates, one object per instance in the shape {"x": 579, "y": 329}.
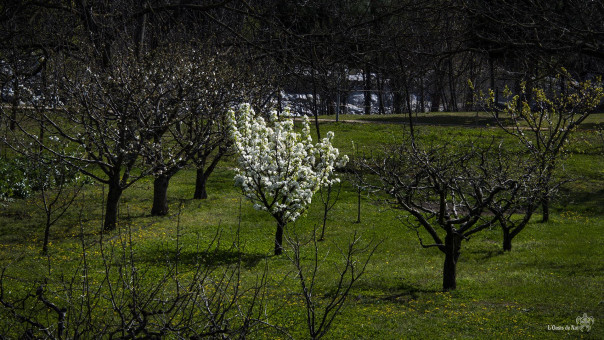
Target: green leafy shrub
{"x": 21, "y": 176}
{"x": 14, "y": 179}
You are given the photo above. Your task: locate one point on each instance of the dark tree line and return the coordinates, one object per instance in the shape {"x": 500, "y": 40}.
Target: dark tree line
{"x": 417, "y": 56}
{"x": 401, "y": 55}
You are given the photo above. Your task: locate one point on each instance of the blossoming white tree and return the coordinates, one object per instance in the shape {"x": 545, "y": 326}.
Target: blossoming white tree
{"x": 280, "y": 169}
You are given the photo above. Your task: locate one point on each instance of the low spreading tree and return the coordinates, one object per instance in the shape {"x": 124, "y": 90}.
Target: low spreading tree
{"x": 446, "y": 192}
{"x": 187, "y": 116}
{"x": 280, "y": 169}
{"x": 514, "y": 208}
{"x": 321, "y": 312}
{"x": 99, "y": 126}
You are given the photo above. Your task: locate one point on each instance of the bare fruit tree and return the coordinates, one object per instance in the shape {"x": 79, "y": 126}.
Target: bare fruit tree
{"x": 445, "y": 190}
{"x": 100, "y": 125}
{"x": 207, "y": 302}
{"x": 322, "y": 311}
{"x": 188, "y": 117}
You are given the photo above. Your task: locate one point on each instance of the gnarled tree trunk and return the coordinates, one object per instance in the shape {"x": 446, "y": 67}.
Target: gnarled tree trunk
{"x": 452, "y": 248}
{"x": 204, "y": 173}
{"x": 279, "y": 236}
{"x": 160, "y": 195}
{"x": 545, "y": 210}
{"x": 507, "y": 240}
{"x": 113, "y": 199}
{"x": 200, "y": 185}
{"x": 367, "y": 89}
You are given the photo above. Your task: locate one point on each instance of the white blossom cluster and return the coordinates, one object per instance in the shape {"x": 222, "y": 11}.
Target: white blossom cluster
{"x": 280, "y": 169}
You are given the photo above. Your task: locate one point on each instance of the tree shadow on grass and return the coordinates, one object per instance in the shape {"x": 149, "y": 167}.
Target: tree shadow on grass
{"x": 439, "y": 119}
{"x": 483, "y": 254}
{"x": 591, "y": 126}
{"x": 453, "y": 119}
{"x": 402, "y": 293}
{"x": 587, "y": 202}
{"x": 209, "y": 258}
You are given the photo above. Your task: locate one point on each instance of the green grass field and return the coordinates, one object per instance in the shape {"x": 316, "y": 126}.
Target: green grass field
{"x": 469, "y": 119}
{"x": 554, "y": 273}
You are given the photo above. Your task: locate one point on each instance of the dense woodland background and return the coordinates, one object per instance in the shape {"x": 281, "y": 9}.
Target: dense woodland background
{"x": 324, "y": 56}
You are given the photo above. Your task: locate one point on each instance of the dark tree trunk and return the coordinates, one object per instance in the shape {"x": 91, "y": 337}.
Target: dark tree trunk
{"x": 111, "y": 209}
{"x": 492, "y": 73}
{"x": 507, "y": 240}
{"x": 279, "y": 237}
{"x": 200, "y": 185}
{"x": 545, "y": 210}
{"x": 444, "y": 100}
{"x": 435, "y": 104}
{"x": 436, "y": 95}
{"x": 452, "y": 88}
{"x": 204, "y": 173}
{"x": 422, "y": 96}
{"x": 160, "y": 195}
{"x": 338, "y": 106}
{"x": 410, "y": 112}
{"x": 316, "y": 113}
{"x": 343, "y": 102}
{"x": 380, "y": 84}
{"x": 325, "y": 212}
{"x": 397, "y": 101}
{"x": 315, "y": 109}
{"x": 452, "y": 247}
{"x": 548, "y": 170}
{"x": 367, "y": 89}
{"x": 332, "y": 104}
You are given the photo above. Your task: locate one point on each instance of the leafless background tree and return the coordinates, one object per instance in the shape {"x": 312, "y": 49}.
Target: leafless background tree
{"x": 445, "y": 192}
